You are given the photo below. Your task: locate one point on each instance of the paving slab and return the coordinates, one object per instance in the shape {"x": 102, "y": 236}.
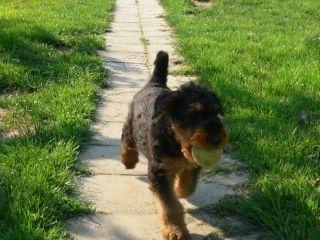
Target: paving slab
{"x": 105, "y": 160}
{"x": 122, "y": 95}
{"x": 118, "y": 32}
{"x": 116, "y": 227}
{"x": 120, "y": 227}
{"x": 134, "y": 58}
{"x": 123, "y": 81}
{"x": 149, "y": 25}
{"x": 120, "y": 24}
{"x": 118, "y": 194}
{"x": 106, "y": 134}
{"x": 122, "y": 40}
{"x": 149, "y": 14}
{"x": 125, "y": 17}
{"x": 129, "y": 48}
{"x": 162, "y": 41}
{"x": 114, "y": 112}
{"x": 154, "y": 33}
{"x": 212, "y": 190}
{"x": 129, "y": 227}
{"x": 125, "y": 67}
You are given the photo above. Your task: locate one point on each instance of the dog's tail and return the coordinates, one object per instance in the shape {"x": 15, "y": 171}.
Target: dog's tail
{"x": 160, "y": 71}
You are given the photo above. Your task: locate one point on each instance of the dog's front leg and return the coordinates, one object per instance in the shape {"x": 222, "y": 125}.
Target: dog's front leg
{"x": 170, "y": 209}
{"x": 186, "y": 182}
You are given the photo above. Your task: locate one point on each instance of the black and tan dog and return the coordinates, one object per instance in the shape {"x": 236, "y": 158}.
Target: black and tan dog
{"x": 164, "y": 125}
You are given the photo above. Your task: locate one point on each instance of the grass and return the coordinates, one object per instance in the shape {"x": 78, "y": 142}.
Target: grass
{"x": 262, "y": 58}
{"x": 50, "y": 78}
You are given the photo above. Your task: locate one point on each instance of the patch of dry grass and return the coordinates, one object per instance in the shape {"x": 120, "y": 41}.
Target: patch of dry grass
{"x": 203, "y": 4}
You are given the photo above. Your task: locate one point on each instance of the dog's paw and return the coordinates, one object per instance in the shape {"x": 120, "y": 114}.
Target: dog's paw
{"x": 130, "y": 166}
{"x": 172, "y": 232}
{"x": 129, "y": 157}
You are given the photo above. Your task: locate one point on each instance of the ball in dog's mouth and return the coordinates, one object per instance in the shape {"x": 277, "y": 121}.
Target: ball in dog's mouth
{"x": 206, "y": 157}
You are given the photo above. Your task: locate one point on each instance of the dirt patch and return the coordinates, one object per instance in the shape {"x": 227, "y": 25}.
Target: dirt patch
{"x": 63, "y": 49}
{"x": 4, "y": 131}
{"x": 9, "y": 93}
{"x": 203, "y": 4}
{"x": 9, "y": 134}
{"x": 3, "y": 112}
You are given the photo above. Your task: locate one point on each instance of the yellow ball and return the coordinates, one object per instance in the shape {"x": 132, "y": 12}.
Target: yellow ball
{"x": 206, "y": 157}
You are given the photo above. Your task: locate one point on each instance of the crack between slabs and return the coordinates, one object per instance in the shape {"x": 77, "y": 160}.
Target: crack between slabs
{"x": 143, "y": 39}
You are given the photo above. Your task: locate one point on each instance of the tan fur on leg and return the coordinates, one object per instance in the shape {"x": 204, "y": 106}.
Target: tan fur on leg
{"x": 185, "y": 183}
{"x": 129, "y": 156}
{"x": 172, "y": 220}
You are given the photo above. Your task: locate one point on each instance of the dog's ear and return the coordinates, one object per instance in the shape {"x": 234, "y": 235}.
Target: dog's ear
{"x": 165, "y": 103}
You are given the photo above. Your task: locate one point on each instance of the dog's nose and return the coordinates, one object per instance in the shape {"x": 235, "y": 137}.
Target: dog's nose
{"x": 215, "y": 140}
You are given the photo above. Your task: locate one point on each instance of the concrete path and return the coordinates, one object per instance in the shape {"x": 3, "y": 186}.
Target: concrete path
{"x": 125, "y": 208}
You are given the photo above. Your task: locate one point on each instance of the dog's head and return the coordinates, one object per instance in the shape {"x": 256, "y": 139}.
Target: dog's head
{"x": 195, "y": 113}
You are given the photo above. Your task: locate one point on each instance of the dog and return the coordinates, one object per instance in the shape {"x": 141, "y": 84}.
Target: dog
{"x": 164, "y": 125}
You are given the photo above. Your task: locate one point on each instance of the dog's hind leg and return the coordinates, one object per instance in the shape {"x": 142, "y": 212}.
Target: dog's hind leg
{"x": 186, "y": 182}
{"x": 129, "y": 151}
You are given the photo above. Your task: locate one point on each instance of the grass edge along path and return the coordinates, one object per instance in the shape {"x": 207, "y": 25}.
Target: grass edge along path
{"x": 262, "y": 57}
{"x": 50, "y": 79}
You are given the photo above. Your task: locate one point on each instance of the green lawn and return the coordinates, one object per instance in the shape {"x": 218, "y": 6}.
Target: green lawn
{"x": 50, "y": 78}
{"x": 263, "y": 59}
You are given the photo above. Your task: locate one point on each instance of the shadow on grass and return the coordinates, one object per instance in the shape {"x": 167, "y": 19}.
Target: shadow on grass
{"x": 31, "y": 57}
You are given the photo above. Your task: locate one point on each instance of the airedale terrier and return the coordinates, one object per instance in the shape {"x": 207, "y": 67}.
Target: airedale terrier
{"x": 164, "y": 125}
